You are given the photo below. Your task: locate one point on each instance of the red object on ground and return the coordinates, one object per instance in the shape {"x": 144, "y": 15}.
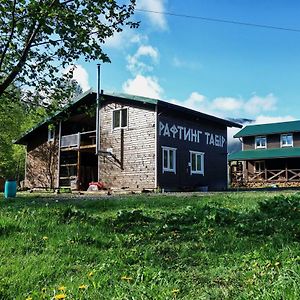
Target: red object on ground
{"x": 100, "y": 185}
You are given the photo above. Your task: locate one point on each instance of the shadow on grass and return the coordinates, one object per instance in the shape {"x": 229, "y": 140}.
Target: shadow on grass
{"x": 210, "y": 229}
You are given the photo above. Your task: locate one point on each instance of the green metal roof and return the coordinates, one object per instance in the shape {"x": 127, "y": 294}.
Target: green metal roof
{"x": 133, "y": 97}
{"x": 265, "y": 154}
{"x": 273, "y": 128}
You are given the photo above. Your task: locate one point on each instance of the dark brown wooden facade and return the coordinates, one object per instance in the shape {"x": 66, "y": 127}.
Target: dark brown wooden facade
{"x": 275, "y": 164}
{"x": 158, "y": 146}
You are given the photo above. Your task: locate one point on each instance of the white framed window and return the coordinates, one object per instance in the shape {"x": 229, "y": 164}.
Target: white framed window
{"x": 260, "y": 142}
{"x": 51, "y": 134}
{"x": 168, "y": 159}
{"x": 259, "y": 166}
{"x": 120, "y": 118}
{"x": 197, "y": 162}
{"x": 286, "y": 140}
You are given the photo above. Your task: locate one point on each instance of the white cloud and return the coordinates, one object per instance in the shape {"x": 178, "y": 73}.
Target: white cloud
{"x": 80, "y": 75}
{"x": 255, "y": 108}
{"x": 116, "y": 40}
{"x": 180, "y": 63}
{"x": 147, "y": 86}
{"x": 157, "y": 19}
{"x": 261, "y": 119}
{"x": 124, "y": 38}
{"x": 147, "y": 51}
{"x": 237, "y": 107}
{"x": 195, "y": 97}
{"x": 143, "y": 61}
{"x": 227, "y": 104}
{"x": 257, "y": 104}
{"x": 193, "y": 101}
{"x": 139, "y": 39}
{"x": 135, "y": 63}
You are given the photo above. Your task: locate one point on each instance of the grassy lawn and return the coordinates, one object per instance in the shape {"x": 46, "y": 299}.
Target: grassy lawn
{"x": 220, "y": 246}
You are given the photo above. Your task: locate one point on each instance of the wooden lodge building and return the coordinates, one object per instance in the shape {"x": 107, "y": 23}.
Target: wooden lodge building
{"x": 270, "y": 155}
{"x": 144, "y": 144}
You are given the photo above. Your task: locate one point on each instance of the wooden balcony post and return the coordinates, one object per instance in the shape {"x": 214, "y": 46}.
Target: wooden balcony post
{"x": 286, "y": 172}
{"x": 246, "y": 171}
{"x": 78, "y": 140}
{"x": 78, "y": 181}
{"x": 58, "y": 156}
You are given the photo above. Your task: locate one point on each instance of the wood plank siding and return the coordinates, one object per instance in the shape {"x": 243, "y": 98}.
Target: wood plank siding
{"x": 273, "y": 141}
{"x": 145, "y": 144}
{"x": 41, "y": 164}
{"x": 133, "y": 147}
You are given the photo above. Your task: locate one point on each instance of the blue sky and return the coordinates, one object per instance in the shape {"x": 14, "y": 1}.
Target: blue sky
{"x": 223, "y": 69}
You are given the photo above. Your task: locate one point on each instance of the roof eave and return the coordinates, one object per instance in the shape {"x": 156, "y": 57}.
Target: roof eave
{"x": 22, "y": 139}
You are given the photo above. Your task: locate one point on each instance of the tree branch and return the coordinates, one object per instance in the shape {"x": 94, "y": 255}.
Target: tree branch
{"x": 28, "y": 44}
{"x": 10, "y": 36}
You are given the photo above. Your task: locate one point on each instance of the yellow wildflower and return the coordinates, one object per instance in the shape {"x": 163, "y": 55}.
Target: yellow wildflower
{"x": 29, "y": 298}
{"x": 83, "y": 287}
{"x": 44, "y": 290}
{"x": 62, "y": 288}
{"x": 175, "y": 291}
{"x": 45, "y": 238}
{"x": 126, "y": 278}
{"x": 91, "y": 274}
{"x": 60, "y": 296}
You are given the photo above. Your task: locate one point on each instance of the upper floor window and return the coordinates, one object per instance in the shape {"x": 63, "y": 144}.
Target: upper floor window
{"x": 120, "y": 118}
{"x": 260, "y": 142}
{"x": 197, "y": 162}
{"x": 168, "y": 159}
{"x": 287, "y": 140}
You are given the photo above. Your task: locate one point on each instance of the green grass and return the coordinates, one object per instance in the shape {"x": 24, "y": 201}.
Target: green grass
{"x": 222, "y": 246}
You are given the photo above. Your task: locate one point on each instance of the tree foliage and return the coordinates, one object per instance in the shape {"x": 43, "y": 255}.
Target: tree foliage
{"x": 15, "y": 118}
{"x": 39, "y": 38}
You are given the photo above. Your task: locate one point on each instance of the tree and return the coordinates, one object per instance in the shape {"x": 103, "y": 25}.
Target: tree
{"x": 39, "y": 38}
{"x": 13, "y": 116}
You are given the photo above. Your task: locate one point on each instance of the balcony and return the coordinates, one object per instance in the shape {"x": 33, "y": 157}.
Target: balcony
{"x": 267, "y": 176}
{"x": 80, "y": 140}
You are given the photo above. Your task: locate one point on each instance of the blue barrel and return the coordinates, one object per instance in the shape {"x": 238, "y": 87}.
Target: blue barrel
{"x": 10, "y": 189}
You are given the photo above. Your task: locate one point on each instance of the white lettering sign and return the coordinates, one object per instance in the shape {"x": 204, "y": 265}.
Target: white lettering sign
{"x": 190, "y": 135}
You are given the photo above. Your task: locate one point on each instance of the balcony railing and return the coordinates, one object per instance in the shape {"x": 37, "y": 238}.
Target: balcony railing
{"x": 78, "y": 140}
{"x": 281, "y": 175}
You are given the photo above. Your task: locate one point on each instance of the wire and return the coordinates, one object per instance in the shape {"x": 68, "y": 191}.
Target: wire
{"x": 220, "y": 20}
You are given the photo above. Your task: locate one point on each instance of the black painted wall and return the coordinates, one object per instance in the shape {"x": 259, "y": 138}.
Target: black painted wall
{"x": 215, "y": 149}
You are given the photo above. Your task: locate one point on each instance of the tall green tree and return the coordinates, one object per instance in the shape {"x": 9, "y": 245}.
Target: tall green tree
{"x": 40, "y": 37}
{"x": 15, "y": 117}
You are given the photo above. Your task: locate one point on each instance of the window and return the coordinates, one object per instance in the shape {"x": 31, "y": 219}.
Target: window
{"x": 51, "y": 134}
{"x": 120, "y": 118}
{"x": 168, "y": 159}
{"x": 260, "y": 142}
{"x": 287, "y": 140}
{"x": 197, "y": 162}
{"x": 259, "y": 166}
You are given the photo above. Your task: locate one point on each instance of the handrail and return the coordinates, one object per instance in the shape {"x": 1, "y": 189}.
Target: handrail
{"x": 284, "y": 174}
{"x": 74, "y": 140}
